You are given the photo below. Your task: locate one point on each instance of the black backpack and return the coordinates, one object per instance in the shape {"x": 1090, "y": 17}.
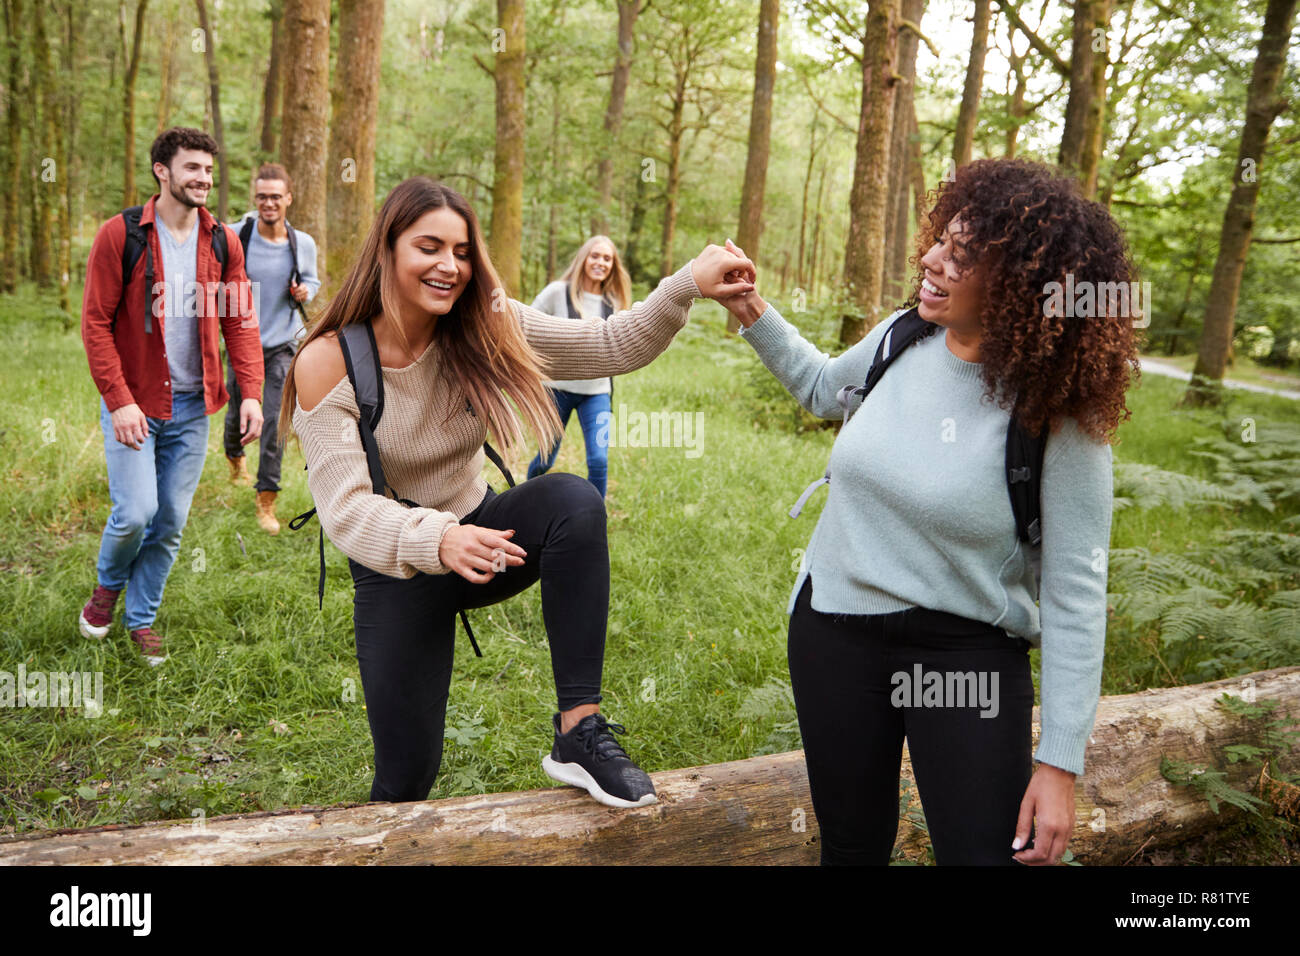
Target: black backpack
{"x": 361, "y": 357}
{"x": 1024, "y": 462}
{"x": 137, "y": 245}
{"x": 246, "y": 235}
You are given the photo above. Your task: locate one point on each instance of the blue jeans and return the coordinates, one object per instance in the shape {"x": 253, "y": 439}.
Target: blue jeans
{"x": 151, "y": 490}
{"x": 589, "y": 408}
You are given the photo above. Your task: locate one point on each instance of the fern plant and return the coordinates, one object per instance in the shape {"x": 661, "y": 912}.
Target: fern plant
{"x": 1260, "y": 459}
{"x": 774, "y": 701}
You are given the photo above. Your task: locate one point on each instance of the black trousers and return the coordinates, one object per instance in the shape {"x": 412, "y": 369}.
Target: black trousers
{"x": 406, "y": 627}
{"x": 857, "y": 694}
{"x": 275, "y": 361}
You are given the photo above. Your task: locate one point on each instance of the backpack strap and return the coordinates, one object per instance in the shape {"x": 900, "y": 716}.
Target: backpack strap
{"x": 361, "y": 356}
{"x": 295, "y": 276}
{"x": 135, "y": 246}
{"x": 606, "y": 310}
{"x": 1025, "y": 479}
{"x": 904, "y": 330}
{"x": 246, "y": 234}
{"x": 501, "y": 465}
{"x": 219, "y": 249}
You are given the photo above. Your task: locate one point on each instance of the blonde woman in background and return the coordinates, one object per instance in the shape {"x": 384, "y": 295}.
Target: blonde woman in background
{"x": 594, "y": 284}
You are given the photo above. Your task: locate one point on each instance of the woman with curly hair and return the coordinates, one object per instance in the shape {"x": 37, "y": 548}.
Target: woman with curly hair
{"x": 918, "y": 601}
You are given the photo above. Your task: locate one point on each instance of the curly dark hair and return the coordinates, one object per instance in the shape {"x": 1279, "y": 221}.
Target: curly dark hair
{"x": 164, "y": 148}
{"x": 1026, "y": 226}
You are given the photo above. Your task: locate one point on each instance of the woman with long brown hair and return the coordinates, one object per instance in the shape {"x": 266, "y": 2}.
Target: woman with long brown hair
{"x": 918, "y": 600}
{"x": 595, "y": 283}
{"x": 454, "y": 352}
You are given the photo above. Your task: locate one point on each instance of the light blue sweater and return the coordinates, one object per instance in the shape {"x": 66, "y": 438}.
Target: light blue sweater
{"x": 918, "y": 514}
{"x": 269, "y": 265}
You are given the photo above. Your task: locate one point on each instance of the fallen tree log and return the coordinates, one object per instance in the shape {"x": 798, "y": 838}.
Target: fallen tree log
{"x": 755, "y": 811}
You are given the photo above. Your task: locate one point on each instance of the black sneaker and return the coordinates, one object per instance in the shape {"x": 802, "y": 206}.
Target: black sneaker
{"x": 588, "y": 756}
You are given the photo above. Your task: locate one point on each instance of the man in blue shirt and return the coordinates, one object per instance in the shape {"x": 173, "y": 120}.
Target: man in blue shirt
{"x": 281, "y": 262}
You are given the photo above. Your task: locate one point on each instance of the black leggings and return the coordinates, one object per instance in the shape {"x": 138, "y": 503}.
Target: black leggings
{"x": 971, "y": 771}
{"x": 406, "y": 627}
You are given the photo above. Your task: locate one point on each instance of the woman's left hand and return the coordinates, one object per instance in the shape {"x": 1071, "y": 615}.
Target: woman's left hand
{"x": 720, "y": 273}
{"x": 1049, "y": 798}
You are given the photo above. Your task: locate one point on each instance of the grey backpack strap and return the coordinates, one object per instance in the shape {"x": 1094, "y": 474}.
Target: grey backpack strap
{"x": 361, "y": 356}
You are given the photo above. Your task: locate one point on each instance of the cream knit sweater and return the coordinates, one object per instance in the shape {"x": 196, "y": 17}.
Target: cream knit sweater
{"x": 438, "y": 461}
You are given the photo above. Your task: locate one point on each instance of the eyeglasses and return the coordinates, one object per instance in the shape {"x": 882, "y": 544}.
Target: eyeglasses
{"x": 273, "y": 197}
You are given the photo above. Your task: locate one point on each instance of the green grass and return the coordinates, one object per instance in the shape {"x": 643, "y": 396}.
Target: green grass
{"x": 260, "y": 705}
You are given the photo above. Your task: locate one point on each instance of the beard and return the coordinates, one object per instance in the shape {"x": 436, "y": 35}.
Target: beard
{"x": 179, "y": 194}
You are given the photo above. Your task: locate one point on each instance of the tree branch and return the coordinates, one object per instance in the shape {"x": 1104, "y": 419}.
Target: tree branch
{"x": 1034, "y": 39}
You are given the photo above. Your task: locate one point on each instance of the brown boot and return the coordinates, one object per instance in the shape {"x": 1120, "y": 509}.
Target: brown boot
{"x": 266, "y": 512}
{"x": 239, "y": 470}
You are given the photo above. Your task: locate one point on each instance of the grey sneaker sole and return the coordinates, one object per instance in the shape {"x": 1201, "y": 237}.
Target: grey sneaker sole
{"x": 575, "y": 776}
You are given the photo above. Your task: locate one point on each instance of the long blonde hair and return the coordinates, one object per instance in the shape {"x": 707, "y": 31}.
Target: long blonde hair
{"x": 482, "y": 348}
{"x": 616, "y": 288}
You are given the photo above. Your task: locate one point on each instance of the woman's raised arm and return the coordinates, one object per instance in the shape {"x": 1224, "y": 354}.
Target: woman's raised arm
{"x": 632, "y": 338}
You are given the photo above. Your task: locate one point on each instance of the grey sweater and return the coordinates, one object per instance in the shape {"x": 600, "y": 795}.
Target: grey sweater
{"x": 918, "y": 514}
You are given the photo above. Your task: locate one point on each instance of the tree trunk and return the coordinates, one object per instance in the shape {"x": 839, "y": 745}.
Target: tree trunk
{"x": 167, "y": 73}
{"x": 14, "y": 130}
{"x": 898, "y": 224}
{"x": 305, "y": 132}
{"x": 214, "y": 99}
{"x": 801, "y": 276}
{"x": 1095, "y": 116}
{"x": 553, "y": 218}
{"x": 508, "y": 166}
{"x": 68, "y": 129}
{"x": 970, "y": 97}
{"x": 1171, "y": 341}
{"x": 351, "y": 174}
{"x": 1016, "y": 103}
{"x": 750, "y": 230}
{"x": 817, "y": 234}
{"x": 636, "y": 221}
{"x": 628, "y": 10}
{"x": 1074, "y": 136}
{"x": 47, "y": 184}
{"x": 1262, "y": 107}
{"x": 918, "y": 172}
{"x": 271, "y": 88}
{"x": 128, "y": 107}
{"x": 755, "y": 811}
{"x": 864, "y": 252}
{"x": 675, "y": 133}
